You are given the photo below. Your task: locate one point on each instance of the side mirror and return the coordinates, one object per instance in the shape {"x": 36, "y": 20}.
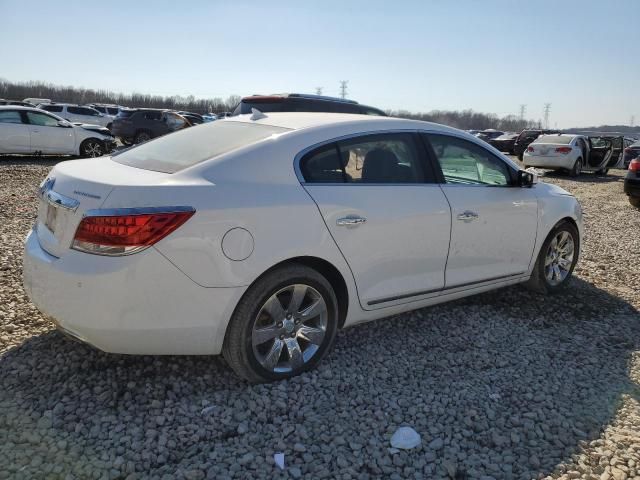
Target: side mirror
{"x": 527, "y": 178}
{"x": 64, "y": 123}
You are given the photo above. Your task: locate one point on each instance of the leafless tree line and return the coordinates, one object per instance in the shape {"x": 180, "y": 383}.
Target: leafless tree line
{"x": 468, "y": 119}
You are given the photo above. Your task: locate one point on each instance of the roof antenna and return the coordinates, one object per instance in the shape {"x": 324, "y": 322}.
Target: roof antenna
{"x": 257, "y": 114}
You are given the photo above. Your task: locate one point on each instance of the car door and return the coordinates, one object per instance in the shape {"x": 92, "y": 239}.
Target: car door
{"x": 494, "y": 223}
{"x": 385, "y": 212}
{"x": 84, "y": 115}
{"x": 48, "y": 137}
{"x": 14, "y": 133}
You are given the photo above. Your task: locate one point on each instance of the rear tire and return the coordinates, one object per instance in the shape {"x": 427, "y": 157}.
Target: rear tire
{"x": 92, "y": 148}
{"x": 634, "y": 201}
{"x": 270, "y": 337}
{"x": 577, "y": 168}
{"x": 553, "y": 269}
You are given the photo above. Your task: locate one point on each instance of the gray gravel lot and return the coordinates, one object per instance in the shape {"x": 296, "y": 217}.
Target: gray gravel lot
{"x": 507, "y": 384}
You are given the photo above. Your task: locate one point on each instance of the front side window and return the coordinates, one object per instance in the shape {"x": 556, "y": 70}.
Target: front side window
{"x": 52, "y": 108}
{"x": 465, "y": 163}
{"x": 10, "y": 116}
{"x": 82, "y": 111}
{"x": 42, "y": 119}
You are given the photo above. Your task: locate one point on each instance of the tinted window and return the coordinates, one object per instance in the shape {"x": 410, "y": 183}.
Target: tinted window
{"x": 464, "y": 162}
{"x": 151, "y": 115}
{"x": 322, "y": 166}
{"x": 100, "y": 109}
{"x": 190, "y": 146}
{"x": 82, "y": 111}
{"x": 112, "y": 111}
{"x": 52, "y": 108}
{"x": 126, "y": 113}
{"x": 245, "y": 107}
{"x": 42, "y": 119}
{"x": 383, "y": 158}
{"x": 10, "y": 116}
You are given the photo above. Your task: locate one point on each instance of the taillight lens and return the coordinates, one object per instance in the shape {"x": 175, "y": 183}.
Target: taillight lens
{"x": 634, "y": 166}
{"x": 127, "y": 231}
{"x": 563, "y": 150}
{"x": 530, "y": 149}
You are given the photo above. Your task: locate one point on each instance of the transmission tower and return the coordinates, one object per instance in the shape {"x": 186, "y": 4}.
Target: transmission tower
{"x": 632, "y": 121}
{"x": 523, "y": 109}
{"x": 547, "y": 109}
{"x": 343, "y": 88}
{"x": 318, "y": 90}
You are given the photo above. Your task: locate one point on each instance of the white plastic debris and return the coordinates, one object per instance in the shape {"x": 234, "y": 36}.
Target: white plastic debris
{"x": 405, "y": 438}
{"x": 208, "y": 410}
{"x": 279, "y": 459}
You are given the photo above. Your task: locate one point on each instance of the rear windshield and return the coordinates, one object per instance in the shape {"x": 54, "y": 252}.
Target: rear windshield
{"x": 267, "y": 106}
{"x": 190, "y": 146}
{"x": 555, "y": 139}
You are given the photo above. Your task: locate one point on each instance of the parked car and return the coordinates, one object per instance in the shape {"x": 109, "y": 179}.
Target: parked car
{"x": 571, "y": 153}
{"x": 526, "y": 137}
{"x": 504, "y": 142}
{"x": 109, "y": 111}
{"x": 299, "y": 102}
{"x": 77, "y": 113}
{"x": 15, "y": 102}
{"x": 29, "y": 130}
{"x": 209, "y": 117}
{"x": 194, "y": 118}
{"x": 630, "y": 152}
{"x": 36, "y": 101}
{"x": 489, "y": 134}
{"x": 632, "y": 182}
{"x": 140, "y": 125}
{"x": 181, "y": 245}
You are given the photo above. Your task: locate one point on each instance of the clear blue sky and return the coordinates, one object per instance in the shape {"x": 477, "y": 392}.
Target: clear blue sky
{"x": 491, "y": 55}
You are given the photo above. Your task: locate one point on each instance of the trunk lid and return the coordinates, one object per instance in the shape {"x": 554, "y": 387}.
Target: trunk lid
{"x": 72, "y": 188}
{"x": 547, "y": 149}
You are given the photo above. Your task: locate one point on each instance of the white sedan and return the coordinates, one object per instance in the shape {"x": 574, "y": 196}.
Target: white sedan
{"x": 29, "y": 131}
{"x": 572, "y": 153}
{"x": 260, "y": 236}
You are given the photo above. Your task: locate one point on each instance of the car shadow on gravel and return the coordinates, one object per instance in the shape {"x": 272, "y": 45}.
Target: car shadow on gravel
{"x": 507, "y": 384}
{"x": 586, "y": 177}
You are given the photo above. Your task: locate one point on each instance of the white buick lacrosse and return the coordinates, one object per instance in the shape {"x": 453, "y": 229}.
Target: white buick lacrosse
{"x": 260, "y": 236}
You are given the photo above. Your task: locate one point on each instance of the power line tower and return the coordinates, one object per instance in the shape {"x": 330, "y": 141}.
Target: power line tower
{"x": 523, "y": 109}
{"x": 318, "y": 90}
{"x": 547, "y": 109}
{"x": 632, "y": 121}
{"x": 343, "y": 88}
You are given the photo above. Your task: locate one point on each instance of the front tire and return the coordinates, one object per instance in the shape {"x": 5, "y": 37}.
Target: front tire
{"x": 556, "y": 260}
{"x": 577, "y": 168}
{"x": 283, "y": 325}
{"x": 634, "y": 201}
{"x": 92, "y": 148}
{"x": 142, "y": 137}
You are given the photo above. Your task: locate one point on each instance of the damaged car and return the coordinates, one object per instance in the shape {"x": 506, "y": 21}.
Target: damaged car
{"x": 571, "y": 153}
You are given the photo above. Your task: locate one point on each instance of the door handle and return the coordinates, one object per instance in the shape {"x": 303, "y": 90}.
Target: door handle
{"x": 350, "y": 221}
{"x": 467, "y": 216}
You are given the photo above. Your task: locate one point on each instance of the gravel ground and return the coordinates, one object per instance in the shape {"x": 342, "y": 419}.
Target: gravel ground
{"x": 507, "y": 384}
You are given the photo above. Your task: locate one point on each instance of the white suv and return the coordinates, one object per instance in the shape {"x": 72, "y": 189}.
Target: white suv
{"x": 77, "y": 113}
{"x": 107, "y": 110}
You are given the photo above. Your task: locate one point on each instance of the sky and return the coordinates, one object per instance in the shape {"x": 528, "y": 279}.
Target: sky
{"x": 490, "y": 56}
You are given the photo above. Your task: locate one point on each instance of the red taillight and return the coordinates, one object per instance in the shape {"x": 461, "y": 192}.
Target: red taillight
{"x": 634, "y": 166}
{"x": 530, "y": 149}
{"x": 563, "y": 150}
{"x": 125, "y": 233}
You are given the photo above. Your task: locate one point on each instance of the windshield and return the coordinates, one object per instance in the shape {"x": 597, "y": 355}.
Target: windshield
{"x": 555, "y": 139}
{"x": 190, "y": 146}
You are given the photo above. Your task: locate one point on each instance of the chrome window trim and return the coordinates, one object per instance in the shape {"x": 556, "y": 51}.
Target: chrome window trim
{"x": 112, "y": 212}
{"x": 462, "y": 136}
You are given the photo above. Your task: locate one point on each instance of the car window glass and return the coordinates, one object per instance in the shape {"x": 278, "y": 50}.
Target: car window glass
{"x": 153, "y": 115}
{"x": 52, "y": 108}
{"x": 112, "y": 111}
{"x": 174, "y": 122}
{"x": 82, "y": 111}
{"x": 42, "y": 119}
{"x": 383, "y": 158}
{"x": 463, "y": 162}
{"x": 322, "y": 166}
{"x": 10, "y": 116}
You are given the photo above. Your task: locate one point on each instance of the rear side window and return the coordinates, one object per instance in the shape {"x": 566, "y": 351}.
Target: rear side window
{"x": 10, "y": 116}
{"x": 82, "y": 111}
{"x": 112, "y": 111}
{"x": 152, "y": 115}
{"x": 100, "y": 109}
{"x": 323, "y": 166}
{"x": 191, "y": 146}
{"x": 52, "y": 108}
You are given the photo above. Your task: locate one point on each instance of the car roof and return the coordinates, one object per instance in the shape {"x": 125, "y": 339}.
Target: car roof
{"x": 19, "y": 107}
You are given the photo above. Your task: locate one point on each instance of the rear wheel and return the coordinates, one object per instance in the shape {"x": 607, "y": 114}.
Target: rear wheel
{"x": 284, "y": 325}
{"x": 556, "y": 260}
{"x": 142, "y": 137}
{"x": 92, "y": 148}
{"x": 634, "y": 201}
{"x": 577, "y": 168}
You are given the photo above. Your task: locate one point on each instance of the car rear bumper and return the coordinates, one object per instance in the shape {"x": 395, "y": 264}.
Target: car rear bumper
{"x": 137, "y": 304}
{"x": 547, "y": 162}
{"x": 632, "y": 186}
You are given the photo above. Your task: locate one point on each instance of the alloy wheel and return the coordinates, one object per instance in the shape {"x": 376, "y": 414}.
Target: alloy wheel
{"x": 93, "y": 149}
{"x": 289, "y": 328}
{"x": 559, "y": 258}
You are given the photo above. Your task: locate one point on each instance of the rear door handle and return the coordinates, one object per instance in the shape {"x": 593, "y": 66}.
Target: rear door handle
{"x": 350, "y": 221}
{"x": 467, "y": 216}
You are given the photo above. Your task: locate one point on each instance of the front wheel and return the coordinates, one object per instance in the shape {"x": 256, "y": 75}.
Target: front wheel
{"x": 577, "y": 168}
{"x": 556, "y": 260}
{"x": 92, "y": 148}
{"x": 284, "y": 325}
{"x": 634, "y": 201}
{"x": 142, "y": 137}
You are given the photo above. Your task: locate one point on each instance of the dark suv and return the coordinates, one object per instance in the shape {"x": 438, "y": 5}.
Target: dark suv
{"x": 137, "y": 125}
{"x": 526, "y": 137}
{"x": 298, "y": 102}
